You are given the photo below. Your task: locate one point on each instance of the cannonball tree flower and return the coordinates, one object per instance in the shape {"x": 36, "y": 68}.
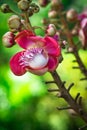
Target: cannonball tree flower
{"x": 39, "y": 55}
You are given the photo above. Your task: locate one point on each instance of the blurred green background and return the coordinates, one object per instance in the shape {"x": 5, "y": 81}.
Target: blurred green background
{"x": 25, "y": 103}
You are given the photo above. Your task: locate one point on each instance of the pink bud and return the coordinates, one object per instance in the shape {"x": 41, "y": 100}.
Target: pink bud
{"x": 43, "y": 3}
{"x": 51, "y": 30}
{"x": 8, "y": 39}
{"x": 55, "y": 3}
{"x": 52, "y": 14}
{"x": 71, "y": 15}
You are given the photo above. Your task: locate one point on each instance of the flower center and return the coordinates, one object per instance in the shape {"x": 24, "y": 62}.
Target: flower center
{"x": 35, "y": 58}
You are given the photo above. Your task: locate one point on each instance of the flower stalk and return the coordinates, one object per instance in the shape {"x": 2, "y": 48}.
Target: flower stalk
{"x": 68, "y": 98}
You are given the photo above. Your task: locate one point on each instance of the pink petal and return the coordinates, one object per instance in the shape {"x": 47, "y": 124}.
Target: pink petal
{"x": 52, "y": 63}
{"x": 38, "y": 71}
{"x": 25, "y": 40}
{"x": 52, "y": 46}
{"x": 82, "y": 36}
{"x": 84, "y": 23}
{"x": 15, "y": 66}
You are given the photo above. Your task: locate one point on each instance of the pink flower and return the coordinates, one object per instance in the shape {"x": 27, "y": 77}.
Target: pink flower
{"x": 39, "y": 55}
{"x": 83, "y": 29}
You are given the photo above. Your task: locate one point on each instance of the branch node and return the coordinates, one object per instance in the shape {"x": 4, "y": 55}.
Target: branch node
{"x": 80, "y": 101}
{"x": 70, "y": 86}
{"x": 77, "y": 96}
{"x": 63, "y": 83}
{"x": 59, "y": 95}
{"x": 81, "y": 111}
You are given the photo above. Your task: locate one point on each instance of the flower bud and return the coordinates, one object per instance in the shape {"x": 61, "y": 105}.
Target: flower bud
{"x": 30, "y": 11}
{"x": 51, "y": 30}
{"x": 23, "y": 5}
{"x": 43, "y": 3}
{"x": 14, "y": 22}
{"x": 70, "y": 49}
{"x": 5, "y": 8}
{"x": 71, "y": 15}
{"x": 55, "y": 3}
{"x": 63, "y": 44}
{"x": 8, "y": 39}
{"x": 52, "y": 14}
{"x": 35, "y": 8}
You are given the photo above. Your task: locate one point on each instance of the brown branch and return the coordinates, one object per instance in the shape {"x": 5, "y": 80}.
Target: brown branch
{"x": 68, "y": 98}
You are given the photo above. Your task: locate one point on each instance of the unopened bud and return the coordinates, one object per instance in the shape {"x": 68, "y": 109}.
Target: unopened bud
{"x": 8, "y": 39}
{"x": 14, "y": 22}
{"x": 63, "y": 44}
{"x": 5, "y": 8}
{"x": 23, "y": 5}
{"x": 30, "y": 11}
{"x": 55, "y": 3}
{"x": 35, "y": 8}
{"x": 52, "y": 14}
{"x": 71, "y": 15}
{"x": 51, "y": 30}
{"x": 70, "y": 49}
{"x": 43, "y": 3}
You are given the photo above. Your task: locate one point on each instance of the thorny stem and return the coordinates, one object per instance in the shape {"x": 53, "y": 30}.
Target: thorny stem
{"x": 68, "y": 98}
{"x": 71, "y": 43}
